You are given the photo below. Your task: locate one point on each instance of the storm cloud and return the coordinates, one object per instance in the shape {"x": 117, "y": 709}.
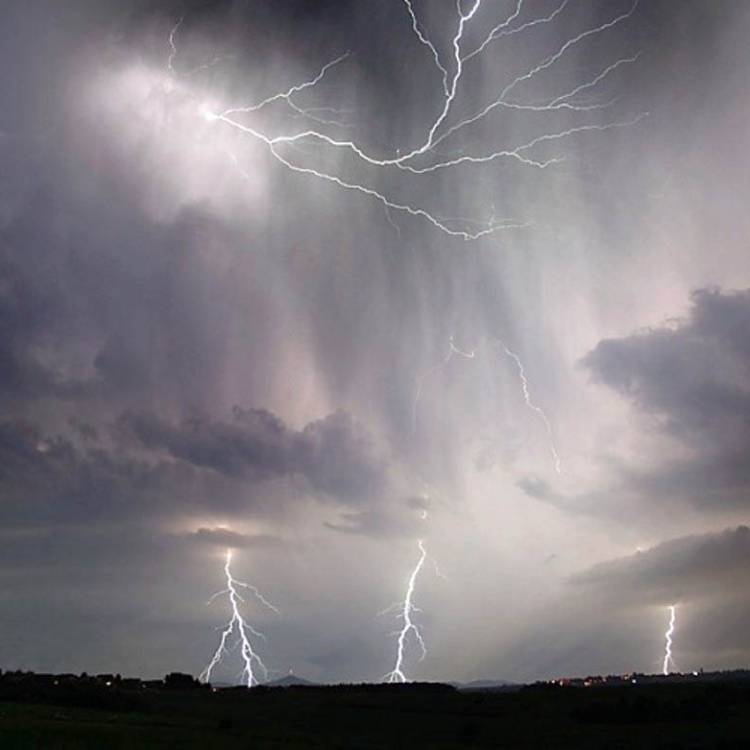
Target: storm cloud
{"x": 690, "y": 379}
{"x": 692, "y": 375}
{"x": 678, "y": 570}
{"x": 333, "y": 454}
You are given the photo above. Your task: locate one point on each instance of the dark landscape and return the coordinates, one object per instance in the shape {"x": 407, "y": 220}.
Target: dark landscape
{"x": 633, "y": 711}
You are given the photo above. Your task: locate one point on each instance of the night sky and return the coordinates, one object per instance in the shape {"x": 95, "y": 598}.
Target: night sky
{"x": 538, "y": 364}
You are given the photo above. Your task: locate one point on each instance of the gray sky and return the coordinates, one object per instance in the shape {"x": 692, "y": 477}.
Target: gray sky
{"x": 205, "y": 347}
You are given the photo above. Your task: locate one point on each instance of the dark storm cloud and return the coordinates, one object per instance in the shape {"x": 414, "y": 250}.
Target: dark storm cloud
{"x": 127, "y": 311}
{"x": 690, "y": 380}
{"x": 53, "y": 479}
{"x": 37, "y": 472}
{"x": 107, "y": 308}
{"x": 676, "y": 570}
{"x": 47, "y": 479}
{"x": 30, "y": 301}
{"x": 593, "y": 503}
{"x": 334, "y": 454}
{"x": 694, "y": 375}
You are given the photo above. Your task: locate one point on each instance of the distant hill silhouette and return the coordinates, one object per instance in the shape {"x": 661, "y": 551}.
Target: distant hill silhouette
{"x": 486, "y": 685}
{"x": 290, "y": 680}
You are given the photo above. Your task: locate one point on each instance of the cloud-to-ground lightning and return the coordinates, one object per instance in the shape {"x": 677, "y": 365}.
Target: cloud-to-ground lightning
{"x": 409, "y": 629}
{"x": 252, "y": 663}
{"x": 668, "y": 662}
{"x": 423, "y": 158}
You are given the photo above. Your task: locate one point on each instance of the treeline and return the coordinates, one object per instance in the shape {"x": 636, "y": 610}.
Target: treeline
{"x": 102, "y": 691}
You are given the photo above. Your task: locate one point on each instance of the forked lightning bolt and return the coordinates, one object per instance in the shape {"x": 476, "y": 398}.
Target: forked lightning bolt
{"x": 409, "y": 629}
{"x": 668, "y": 660}
{"x": 422, "y": 159}
{"x": 252, "y": 663}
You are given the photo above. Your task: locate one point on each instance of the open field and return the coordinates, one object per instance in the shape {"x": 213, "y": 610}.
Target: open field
{"x": 415, "y": 716}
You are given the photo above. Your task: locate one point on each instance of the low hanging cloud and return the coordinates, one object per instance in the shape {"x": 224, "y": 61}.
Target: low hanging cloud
{"x": 694, "y": 375}
{"x": 47, "y": 479}
{"x": 334, "y": 455}
{"x": 678, "y": 570}
{"x": 690, "y": 377}
{"x": 80, "y": 478}
{"x": 689, "y": 381}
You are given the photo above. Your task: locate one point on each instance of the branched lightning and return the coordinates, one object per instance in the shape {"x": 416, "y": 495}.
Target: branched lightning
{"x": 287, "y": 95}
{"x": 590, "y": 84}
{"x": 668, "y": 660}
{"x": 427, "y": 43}
{"x": 501, "y": 100}
{"x": 412, "y": 160}
{"x": 455, "y": 350}
{"x": 408, "y": 627}
{"x": 423, "y": 159}
{"x": 252, "y": 663}
{"x": 502, "y": 29}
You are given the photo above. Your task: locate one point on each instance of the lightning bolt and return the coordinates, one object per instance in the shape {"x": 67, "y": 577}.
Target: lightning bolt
{"x": 502, "y": 29}
{"x": 427, "y": 43}
{"x": 668, "y": 660}
{"x": 173, "y": 45}
{"x": 287, "y": 95}
{"x": 454, "y": 350}
{"x": 252, "y": 663}
{"x": 531, "y": 405}
{"x": 451, "y": 72}
{"x": 422, "y": 379}
{"x": 408, "y": 629}
{"x": 502, "y": 101}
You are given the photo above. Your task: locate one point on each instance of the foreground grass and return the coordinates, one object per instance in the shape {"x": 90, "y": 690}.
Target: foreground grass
{"x": 664, "y": 717}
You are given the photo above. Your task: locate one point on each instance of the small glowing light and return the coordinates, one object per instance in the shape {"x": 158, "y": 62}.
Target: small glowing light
{"x": 206, "y": 113}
